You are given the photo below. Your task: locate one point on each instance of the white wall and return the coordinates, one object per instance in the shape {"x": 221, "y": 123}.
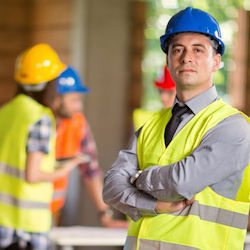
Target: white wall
{"x": 107, "y": 74}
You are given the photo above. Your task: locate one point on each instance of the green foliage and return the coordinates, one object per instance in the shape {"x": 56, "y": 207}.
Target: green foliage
{"x": 159, "y": 13}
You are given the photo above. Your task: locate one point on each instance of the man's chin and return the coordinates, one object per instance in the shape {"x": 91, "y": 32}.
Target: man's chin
{"x": 188, "y": 81}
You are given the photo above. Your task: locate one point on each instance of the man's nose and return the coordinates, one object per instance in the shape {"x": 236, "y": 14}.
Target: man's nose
{"x": 187, "y": 57}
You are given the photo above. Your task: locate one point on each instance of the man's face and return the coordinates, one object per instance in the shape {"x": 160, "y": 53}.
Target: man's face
{"x": 70, "y": 104}
{"x": 191, "y": 61}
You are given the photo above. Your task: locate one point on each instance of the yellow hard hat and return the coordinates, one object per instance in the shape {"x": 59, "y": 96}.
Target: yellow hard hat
{"x": 38, "y": 64}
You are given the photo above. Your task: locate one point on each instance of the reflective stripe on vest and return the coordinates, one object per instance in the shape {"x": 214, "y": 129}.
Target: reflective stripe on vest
{"x": 12, "y": 171}
{"x": 215, "y": 214}
{"x": 58, "y": 200}
{"x": 212, "y": 221}
{"x": 23, "y": 205}
{"x": 68, "y": 143}
{"x": 145, "y": 244}
{"x": 11, "y": 200}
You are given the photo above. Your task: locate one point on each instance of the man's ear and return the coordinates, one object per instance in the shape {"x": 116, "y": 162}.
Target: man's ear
{"x": 167, "y": 60}
{"x": 217, "y": 62}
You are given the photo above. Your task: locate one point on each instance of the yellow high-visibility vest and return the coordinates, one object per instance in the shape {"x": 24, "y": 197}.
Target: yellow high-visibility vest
{"x": 140, "y": 116}
{"x": 212, "y": 221}
{"x": 244, "y": 191}
{"x": 23, "y": 205}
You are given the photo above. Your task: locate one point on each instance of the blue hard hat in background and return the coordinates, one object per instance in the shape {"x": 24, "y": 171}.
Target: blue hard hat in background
{"x": 69, "y": 81}
{"x": 193, "y": 20}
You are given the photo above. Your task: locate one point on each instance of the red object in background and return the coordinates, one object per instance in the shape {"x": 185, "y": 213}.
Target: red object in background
{"x": 164, "y": 81}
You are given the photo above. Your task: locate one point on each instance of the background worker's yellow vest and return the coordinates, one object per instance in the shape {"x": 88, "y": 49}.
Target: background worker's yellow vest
{"x": 140, "y": 116}
{"x": 212, "y": 221}
{"x": 22, "y": 205}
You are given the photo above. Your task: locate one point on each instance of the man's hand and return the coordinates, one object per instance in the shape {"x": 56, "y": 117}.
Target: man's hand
{"x": 165, "y": 206}
{"x": 108, "y": 221}
{"x": 66, "y": 166}
{"x": 34, "y": 174}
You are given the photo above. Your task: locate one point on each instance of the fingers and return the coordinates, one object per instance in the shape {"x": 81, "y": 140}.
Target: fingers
{"x": 189, "y": 202}
{"x": 83, "y": 158}
{"x": 112, "y": 223}
{"x": 68, "y": 166}
{"x": 117, "y": 224}
{"x": 165, "y": 206}
{"x": 176, "y": 206}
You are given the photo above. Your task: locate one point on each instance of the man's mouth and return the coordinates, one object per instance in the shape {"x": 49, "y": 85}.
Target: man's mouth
{"x": 187, "y": 71}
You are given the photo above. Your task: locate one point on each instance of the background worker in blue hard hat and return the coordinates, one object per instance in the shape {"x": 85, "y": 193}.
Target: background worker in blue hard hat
{"x": 180, "y": 178}
{"x": 74, "y": 140}
{"x": 27, "y": 159}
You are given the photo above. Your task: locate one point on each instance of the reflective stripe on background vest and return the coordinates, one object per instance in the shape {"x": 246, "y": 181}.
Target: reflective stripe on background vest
{"x": 212, "y": 221}
{"x": 23, "y": 205}
{"x": 131, "y": 243}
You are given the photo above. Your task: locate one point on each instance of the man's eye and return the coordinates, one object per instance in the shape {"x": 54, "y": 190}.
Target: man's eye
{"x": 197, "y": 50}
{"x": 176, "y": 51}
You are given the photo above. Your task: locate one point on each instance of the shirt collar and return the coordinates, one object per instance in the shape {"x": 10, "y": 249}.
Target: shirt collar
{"x": 199, "y": 102}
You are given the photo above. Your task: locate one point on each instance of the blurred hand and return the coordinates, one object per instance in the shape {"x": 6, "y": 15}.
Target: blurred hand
{"x": 189, "y": 202}
{"x": 108, "y": 221}
{"x": 68, "y": 165}
{"x": 83, "y": 157}
{"x": 165, "y": 206}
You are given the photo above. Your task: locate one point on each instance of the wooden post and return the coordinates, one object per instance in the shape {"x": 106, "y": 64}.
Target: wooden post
{"x": 135, "y": 90}
{"x": 239, "y": 85}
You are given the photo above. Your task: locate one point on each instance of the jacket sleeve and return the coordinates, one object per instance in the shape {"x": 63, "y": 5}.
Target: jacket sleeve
{"x": 119, "y": 193}
{"x": 218, "y": 162}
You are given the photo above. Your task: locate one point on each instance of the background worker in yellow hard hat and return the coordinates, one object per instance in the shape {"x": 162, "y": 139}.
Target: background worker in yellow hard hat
{"x": 166, "y": 86}
{"x": 27, "y": 141}
{"x": 74, "y": 139}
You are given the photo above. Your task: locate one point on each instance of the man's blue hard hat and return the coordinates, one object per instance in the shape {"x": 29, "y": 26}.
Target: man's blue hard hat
{"x": 193, "y": 20}
{"x": 69, "y": 81}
